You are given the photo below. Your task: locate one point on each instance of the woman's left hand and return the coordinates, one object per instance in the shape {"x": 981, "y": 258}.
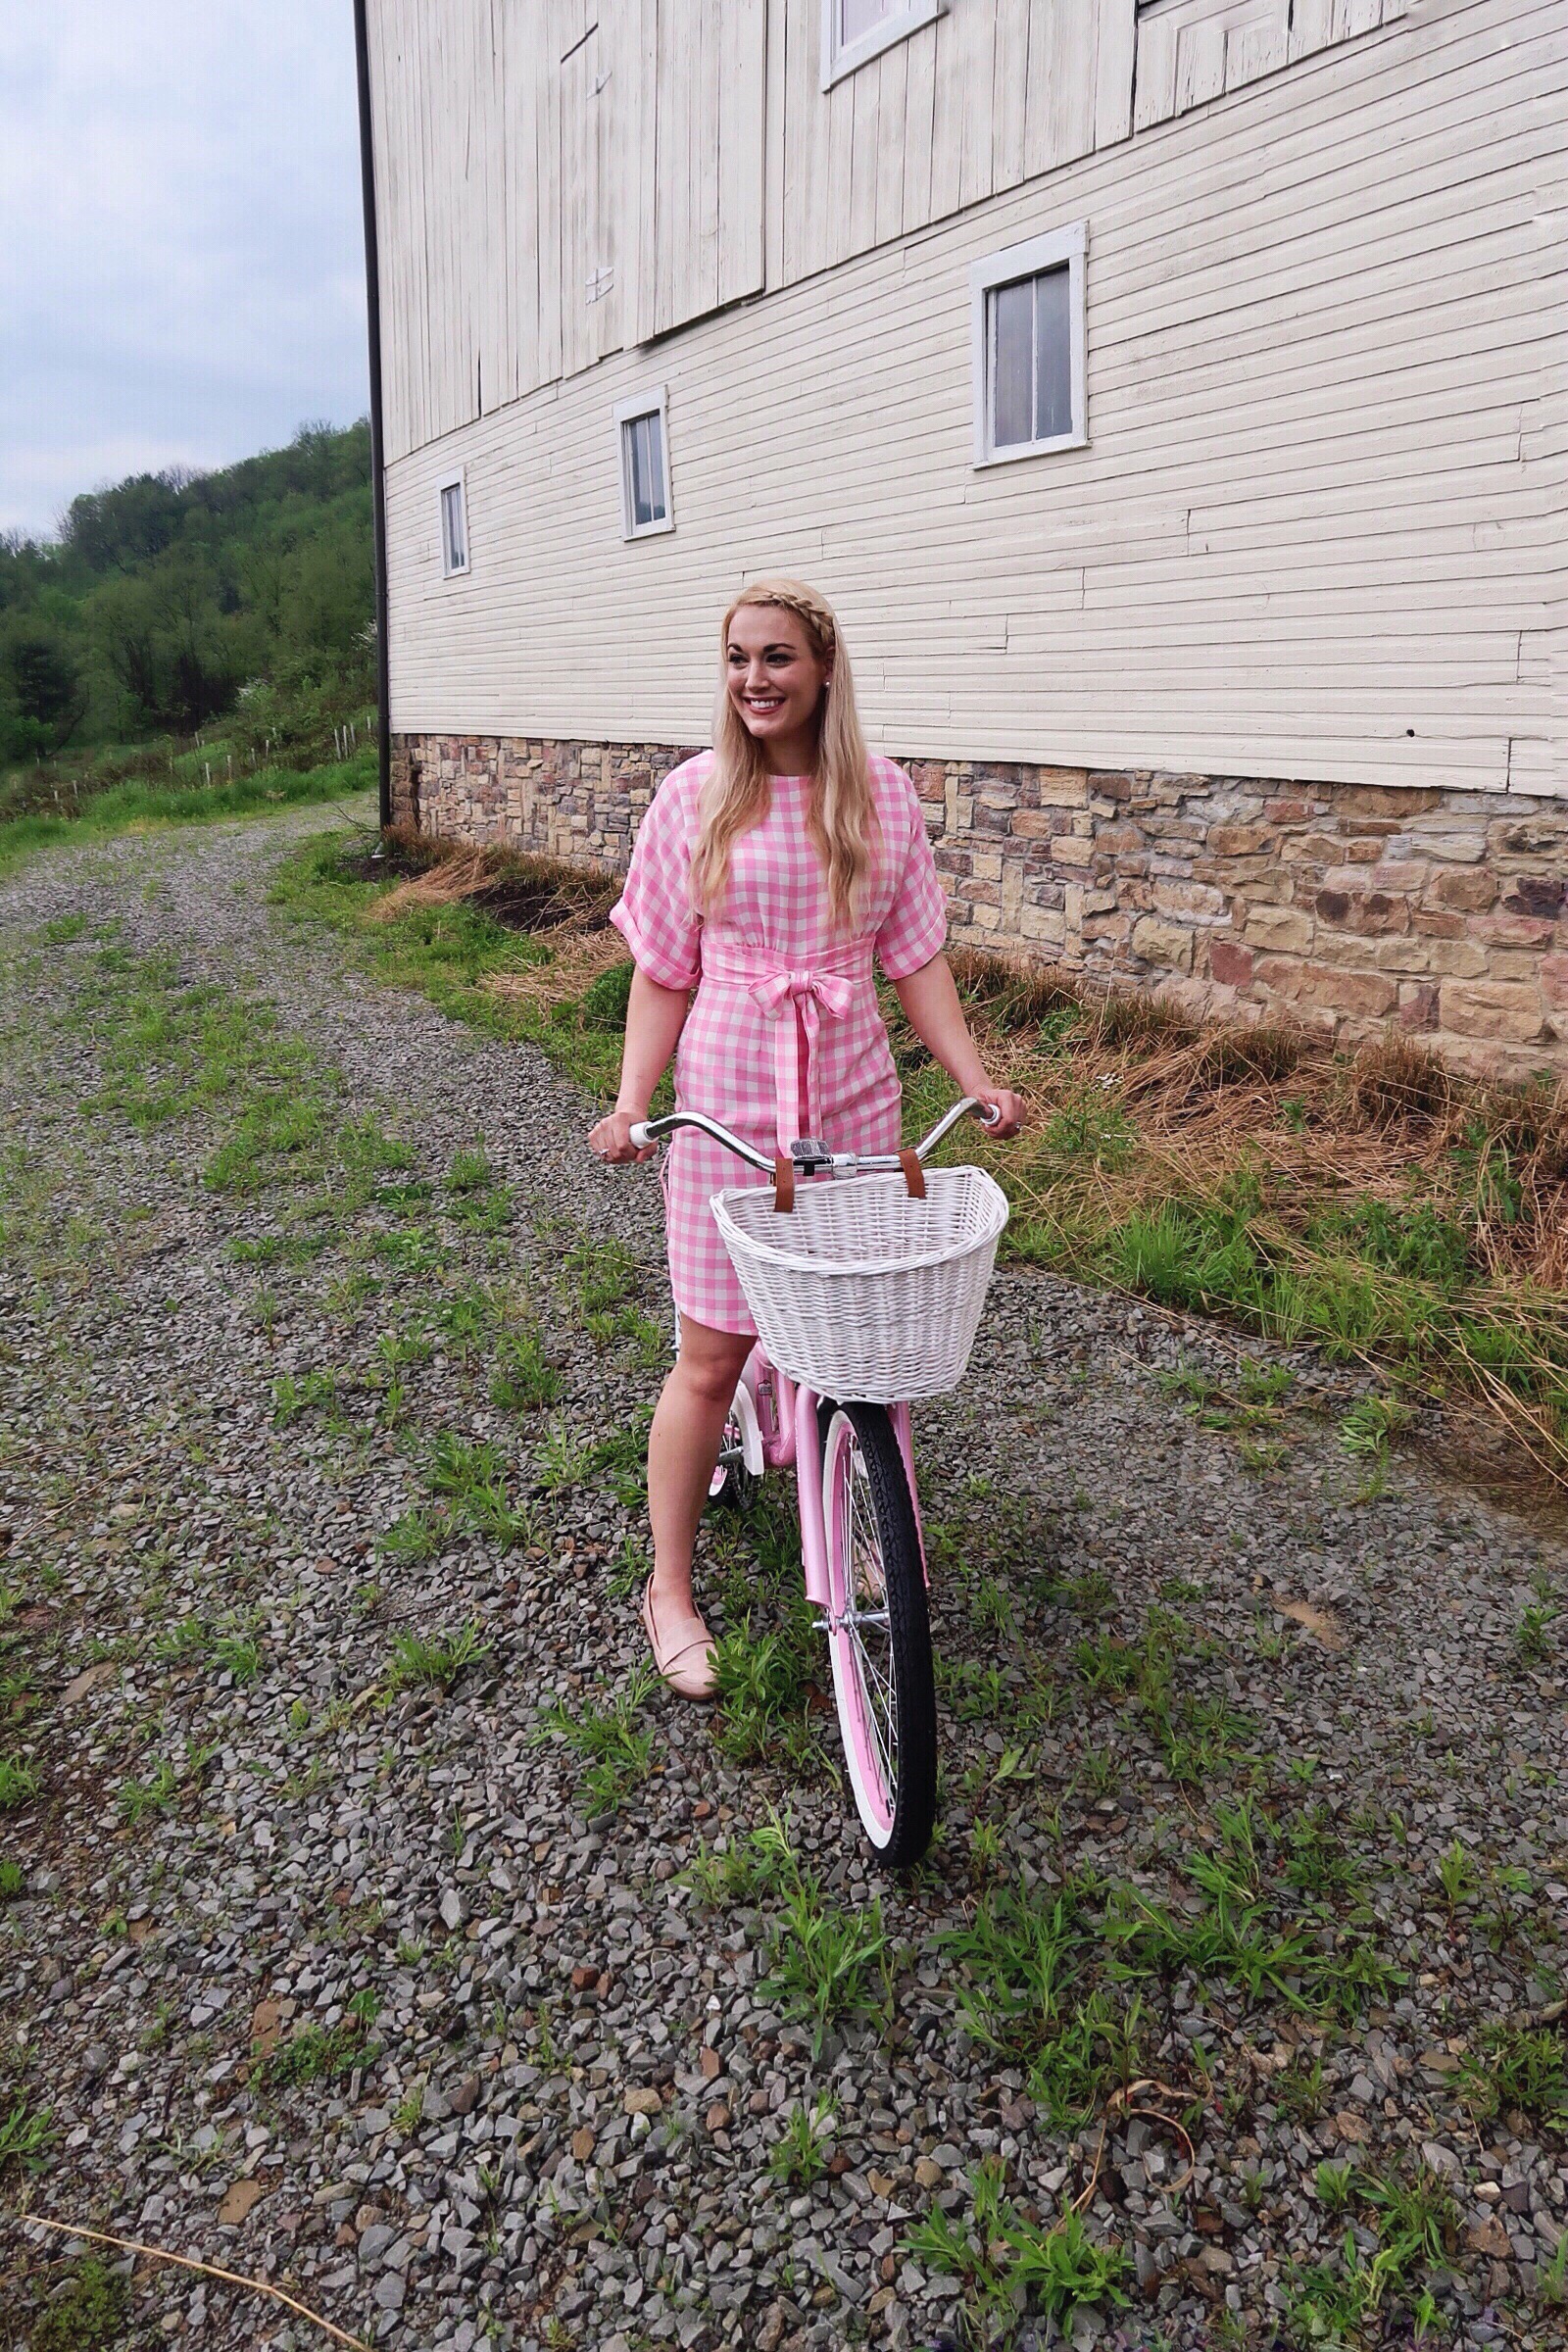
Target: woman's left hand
{"x": 1003, "y": 1099}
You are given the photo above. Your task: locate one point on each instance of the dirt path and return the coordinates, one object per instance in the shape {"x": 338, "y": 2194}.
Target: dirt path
{"x": 367, "y": 1925}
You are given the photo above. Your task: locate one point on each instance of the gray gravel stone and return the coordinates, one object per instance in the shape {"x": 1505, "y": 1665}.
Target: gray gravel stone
{"x": 504, "y": 2027}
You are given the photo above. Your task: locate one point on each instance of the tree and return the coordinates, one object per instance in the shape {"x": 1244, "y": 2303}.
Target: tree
{"x": 46, "y": 689}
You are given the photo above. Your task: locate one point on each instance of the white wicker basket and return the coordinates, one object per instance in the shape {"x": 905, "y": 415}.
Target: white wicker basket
{"x": 860, "y": 1292}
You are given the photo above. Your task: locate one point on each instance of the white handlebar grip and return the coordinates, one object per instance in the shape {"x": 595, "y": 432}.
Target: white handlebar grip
{"x": 989, "y": 1113}
{"x": 639, "y": 1134}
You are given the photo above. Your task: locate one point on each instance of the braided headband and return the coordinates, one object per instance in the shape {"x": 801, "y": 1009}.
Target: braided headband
{"x": 817, "y": 618}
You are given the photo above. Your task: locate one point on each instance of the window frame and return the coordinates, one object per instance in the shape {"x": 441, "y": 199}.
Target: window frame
{"x": 457, "y": 480}
{"x": 1007, "y": 268}
{"x": 840, "y": 58}
{"x": 653, "y": 403}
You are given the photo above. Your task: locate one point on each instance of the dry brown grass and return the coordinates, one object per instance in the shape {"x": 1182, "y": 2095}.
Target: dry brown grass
{"x": 1389, "y": 1119}
{"x": 444, "y": 881}
{"x": 578, "y": 959}
{"x": 523, "y": 889}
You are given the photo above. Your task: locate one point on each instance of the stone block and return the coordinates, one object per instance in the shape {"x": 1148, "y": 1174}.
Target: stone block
{"x": 1043, "y": 925}
{"x": 1430, "y": 923}
{"x": 1544, "y": 894}
{"x": 1418, "y": 1005}
{"x": 1066, "y": 787}
{"x": 1367, "y": 911}
{"x": 1438, "y": 837}
{"x": 1283, "y": 928}
{"x": 1229, "y": 961}
{"x": 1392, "y": 801}
{"x": 1468, "y": 890}
{"x": 1117, "y": 841}
{"x": 1196, "y": 901}
{"x": 1286, "y": 810}
{"x": 1514, "y": 930}
{"x": 1509, "y": 1010}
{"x": 1036, "y": 824}
{"x": 1405, "y": 875}
{"x": 1554, "y": 980}
{"x": 1369, "y": 995}
{"x": 1531, "y": 837}
{"x": 1164, "y": 944}
{"x": 1237, "y": 841}
{"x": 1073, "y": 849}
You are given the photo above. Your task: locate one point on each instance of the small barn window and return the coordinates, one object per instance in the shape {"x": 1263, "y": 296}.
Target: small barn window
{"x": 854, "y": 32}
{"x": 1028, "y": 327}
{"x": 644, "y": 467}
{"x": 454, "y": 528}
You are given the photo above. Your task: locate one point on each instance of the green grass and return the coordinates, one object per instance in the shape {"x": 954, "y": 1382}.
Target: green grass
{"x": 91, "y": 2313}
{"x": 1408, "y": 2229}
{"x": 313, "y": 2054}
{"x": 521, "y": 1379}
{"x": 1518, "y": 2066}
{"x": 435, "y": 1663}
{"x": 18, "y": 1783}
{"x": 1007, "y": 2262}
{"x": 615, "y": 1748}
{"x": 138, "y": 805}
{"x": 25, "y": 2137}
{"x": 801, "y": 2151}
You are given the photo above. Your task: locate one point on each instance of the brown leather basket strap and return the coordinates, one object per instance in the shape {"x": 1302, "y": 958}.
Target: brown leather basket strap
{"x": 783, "y": 1182}
{"x": 913, "y": 1175}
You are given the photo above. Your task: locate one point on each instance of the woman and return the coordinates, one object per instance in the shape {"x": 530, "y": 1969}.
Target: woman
{"x": 767, "y": 874}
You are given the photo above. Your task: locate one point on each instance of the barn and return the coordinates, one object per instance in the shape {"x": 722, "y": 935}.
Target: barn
{"x": 1169, "y": 394}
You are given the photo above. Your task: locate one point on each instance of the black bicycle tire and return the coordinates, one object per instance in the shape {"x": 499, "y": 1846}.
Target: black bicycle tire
{"x": 914, "y": 1804}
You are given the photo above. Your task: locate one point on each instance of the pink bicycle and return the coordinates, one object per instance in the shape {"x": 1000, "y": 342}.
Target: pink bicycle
{"x": 865, "y": 1295}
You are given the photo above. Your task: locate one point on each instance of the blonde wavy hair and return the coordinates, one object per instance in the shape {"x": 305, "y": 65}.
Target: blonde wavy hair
{"x": 841, "y": 813}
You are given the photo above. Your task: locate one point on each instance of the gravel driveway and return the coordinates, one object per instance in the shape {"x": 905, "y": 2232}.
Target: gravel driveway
{"x": 353, "y": 1941}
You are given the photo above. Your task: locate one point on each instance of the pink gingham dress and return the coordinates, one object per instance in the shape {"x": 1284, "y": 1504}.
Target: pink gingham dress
{"x": 785, "y": 1037}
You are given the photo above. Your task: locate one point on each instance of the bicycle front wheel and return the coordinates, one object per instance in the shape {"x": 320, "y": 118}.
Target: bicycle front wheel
{"x": 879, "y": 1633}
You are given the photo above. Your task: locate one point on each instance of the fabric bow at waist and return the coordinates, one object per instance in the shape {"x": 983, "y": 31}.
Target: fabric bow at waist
{"x": 794, "y": 998}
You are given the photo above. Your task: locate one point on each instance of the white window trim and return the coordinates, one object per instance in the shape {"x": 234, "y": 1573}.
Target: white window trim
{"x": 454, "y": 481}
{"x": 1069, "y": 245}
{"x": 655, "y": 402}
{"x": 844, "y": 57}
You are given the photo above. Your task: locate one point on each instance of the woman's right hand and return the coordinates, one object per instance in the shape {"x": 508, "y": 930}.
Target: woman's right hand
{"x": 610, "y": 1141}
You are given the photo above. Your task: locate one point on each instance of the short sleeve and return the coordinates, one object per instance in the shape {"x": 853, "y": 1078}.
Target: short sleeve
{"x": 915, "y": 927}
{"x": 654, "y": 913}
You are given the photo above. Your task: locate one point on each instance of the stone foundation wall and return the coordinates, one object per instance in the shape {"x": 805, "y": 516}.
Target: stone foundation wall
{"x": 1354, "y": 910}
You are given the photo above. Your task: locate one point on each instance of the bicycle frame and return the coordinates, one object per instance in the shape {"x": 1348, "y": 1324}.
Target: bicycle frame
{"x": 792, "y": 1440}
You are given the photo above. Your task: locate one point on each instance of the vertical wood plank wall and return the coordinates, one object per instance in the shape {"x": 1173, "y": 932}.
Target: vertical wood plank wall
{"x": 1317, "y": 530}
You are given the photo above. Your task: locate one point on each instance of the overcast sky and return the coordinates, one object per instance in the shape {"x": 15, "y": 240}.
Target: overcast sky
{"x": 181, "y": 271}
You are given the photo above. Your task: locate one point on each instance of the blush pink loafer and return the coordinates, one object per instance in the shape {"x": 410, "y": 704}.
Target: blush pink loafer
{"x": 691, "y": 1670}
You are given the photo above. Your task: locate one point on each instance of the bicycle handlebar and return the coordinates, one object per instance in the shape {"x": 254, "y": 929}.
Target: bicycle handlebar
{"x": 809, "y": 1157}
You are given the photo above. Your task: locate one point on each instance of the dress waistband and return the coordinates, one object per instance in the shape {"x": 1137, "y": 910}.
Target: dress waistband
{"x": 828, "y": 985}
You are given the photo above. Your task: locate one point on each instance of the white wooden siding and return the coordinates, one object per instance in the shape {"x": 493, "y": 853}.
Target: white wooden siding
{"x": 701, "y": 66}
{"x": 1317, "y": 530}
{"x": 557, "y": 178}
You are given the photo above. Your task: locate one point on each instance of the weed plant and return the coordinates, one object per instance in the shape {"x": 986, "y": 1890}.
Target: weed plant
{"x": 1006, "y": 2262}
{"x": 615, "y": 1748}
{"x": 315, "y": 2054}
{"x": 435, "y": 1663}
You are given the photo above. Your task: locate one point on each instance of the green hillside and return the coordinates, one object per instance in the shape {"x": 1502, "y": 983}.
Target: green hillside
{"x": 172, "y": 601}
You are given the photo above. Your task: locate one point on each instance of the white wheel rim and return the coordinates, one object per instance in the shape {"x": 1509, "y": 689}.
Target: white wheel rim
{"x": 861, "y": 1641}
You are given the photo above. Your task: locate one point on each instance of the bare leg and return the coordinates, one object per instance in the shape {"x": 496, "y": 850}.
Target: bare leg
{"x": 682, "y": 1448}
